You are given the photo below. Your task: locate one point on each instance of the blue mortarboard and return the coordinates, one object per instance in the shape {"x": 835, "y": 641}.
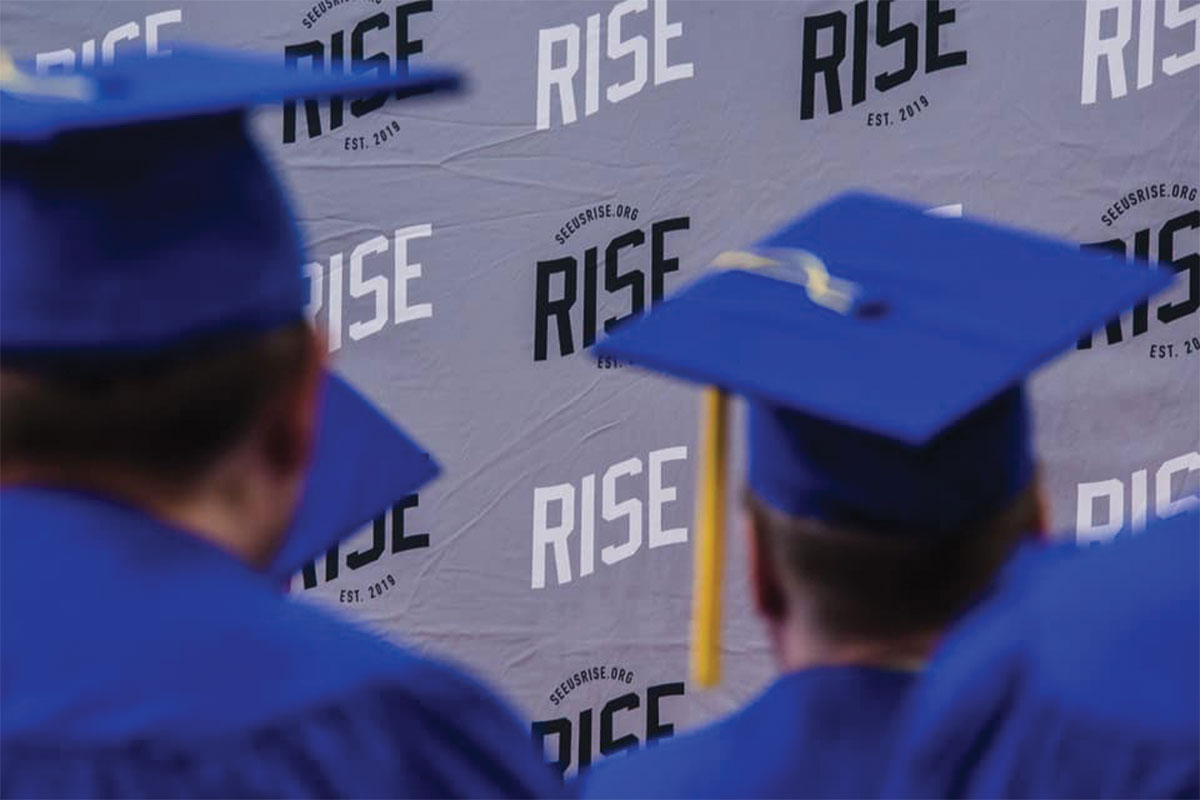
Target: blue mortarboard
{"x": 138, "y": 214}
{"x": 882, "y": 351}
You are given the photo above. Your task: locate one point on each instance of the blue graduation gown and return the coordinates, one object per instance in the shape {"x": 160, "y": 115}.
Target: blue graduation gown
{"x": 822, "y": 732}
{"x": 139, "y": 660}
{"x": 1080, "y": 678}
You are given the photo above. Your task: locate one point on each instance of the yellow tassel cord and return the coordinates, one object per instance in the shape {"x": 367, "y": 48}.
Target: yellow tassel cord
{"x": 710, "y": 540}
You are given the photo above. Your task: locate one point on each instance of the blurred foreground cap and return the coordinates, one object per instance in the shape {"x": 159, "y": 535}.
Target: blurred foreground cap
{"x": 137, "y": 215}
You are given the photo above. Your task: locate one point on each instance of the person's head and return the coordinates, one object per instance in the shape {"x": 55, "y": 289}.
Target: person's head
{"x": 152, "y": 342}
{"x": 864, "y": 589}
{"x": 881, "y": 351}
{"x": 226, "y": 420}
{"x": 861, "y": 540}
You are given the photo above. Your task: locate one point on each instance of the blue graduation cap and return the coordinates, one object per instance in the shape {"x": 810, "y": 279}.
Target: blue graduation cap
{"x": 882, "y": 351}
{"x": 138, "y": 215}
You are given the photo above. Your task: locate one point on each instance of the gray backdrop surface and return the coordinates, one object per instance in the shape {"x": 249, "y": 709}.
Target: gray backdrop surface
{"x": 465, "y": 252}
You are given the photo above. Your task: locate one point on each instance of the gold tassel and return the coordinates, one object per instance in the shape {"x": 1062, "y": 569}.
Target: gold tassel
{"x": 710, "y": 539}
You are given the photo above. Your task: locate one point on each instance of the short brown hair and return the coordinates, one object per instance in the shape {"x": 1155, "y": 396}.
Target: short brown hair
{"x": 168, "y": 414}
{"x": 868, "y": 584}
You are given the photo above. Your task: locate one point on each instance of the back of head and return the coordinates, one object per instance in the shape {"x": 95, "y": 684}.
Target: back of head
{"x": 863, "y": 585}
{"x": 152, "y": 299}
{"x": 879, "y": 540}
{"x": 162, "y": 417}
{"x": 888, "y": 439}
{"x": 1080, "y": 678}
{"x": 154, "y": 323}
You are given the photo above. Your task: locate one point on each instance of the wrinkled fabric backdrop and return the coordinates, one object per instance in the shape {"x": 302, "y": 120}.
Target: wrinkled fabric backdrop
{"x": 466, "y": 251}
